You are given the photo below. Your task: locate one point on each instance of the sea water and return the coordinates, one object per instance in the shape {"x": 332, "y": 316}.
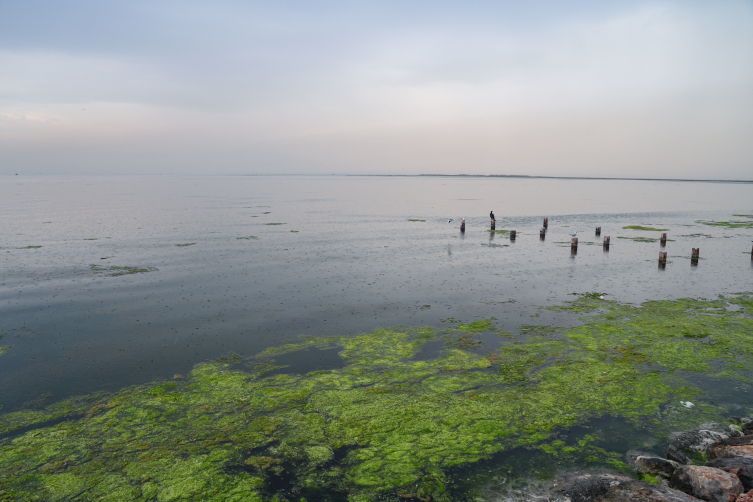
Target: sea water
{"x": 112, "y": 281}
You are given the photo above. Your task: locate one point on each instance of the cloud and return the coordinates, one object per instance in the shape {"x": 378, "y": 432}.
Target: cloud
{"x": 608, "y": 88}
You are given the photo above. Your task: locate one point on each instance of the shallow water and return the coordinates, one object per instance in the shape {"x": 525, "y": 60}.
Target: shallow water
{"x": 345, "y": 260}
{"x": 355, "y": 263}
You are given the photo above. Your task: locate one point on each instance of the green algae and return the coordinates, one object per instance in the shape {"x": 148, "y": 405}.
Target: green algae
{"x": 92, "y": 239}
{"x": 31, "y": 247}
{"x": 639, "y": 227}
{"x": 728, "y": 224}
{"x": 502, "y": 232}
{"x": 416, "y": 220}
{"x": 743, "y": 215}
{"x": 116, "y": 270}
{"x": 186, "y": 244}
{"x": 639, "y": 239}
{"x": 275, "y": 223}
{"x": 385, "y": 424}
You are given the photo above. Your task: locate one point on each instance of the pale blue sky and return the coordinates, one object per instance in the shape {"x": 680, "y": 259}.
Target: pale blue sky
{"x": 644, "y": 89}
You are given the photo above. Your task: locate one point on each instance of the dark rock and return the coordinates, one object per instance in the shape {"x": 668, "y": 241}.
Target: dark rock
{"x": 706, "y": 483}
{"x": 650, "y": 464}
{"x": 639, "y": 491}
{"x": 739, "y": 420}
{"x": 699, "y": 438}
{"x": 732, "y": 447}
{"x": 739, "y": 466}
{"x": 676, "y": 454}
{"x": 748, "y": 427}
{"x": 585, "y": 488}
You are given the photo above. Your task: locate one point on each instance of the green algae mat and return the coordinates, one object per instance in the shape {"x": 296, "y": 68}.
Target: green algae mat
{"x": 391, "y": 423}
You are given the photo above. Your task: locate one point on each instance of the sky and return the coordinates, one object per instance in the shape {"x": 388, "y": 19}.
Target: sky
{"x": 542, "y": 88}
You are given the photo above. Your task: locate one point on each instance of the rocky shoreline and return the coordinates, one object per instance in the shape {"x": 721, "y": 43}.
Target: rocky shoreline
{"x": 713, "y": 463}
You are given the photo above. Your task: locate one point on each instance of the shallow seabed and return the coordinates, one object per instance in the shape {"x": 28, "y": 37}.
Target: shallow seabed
{"x": 339, "y": 339}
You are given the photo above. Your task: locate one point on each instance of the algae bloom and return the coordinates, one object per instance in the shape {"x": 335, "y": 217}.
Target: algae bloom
{"x": 116, "y": 271}
{"x": 639, "y": 227}
{"x": 386, "y": 424}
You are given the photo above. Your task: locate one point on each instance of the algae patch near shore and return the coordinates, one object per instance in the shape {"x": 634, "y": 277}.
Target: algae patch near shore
{"x": 385, "y": 424}
{"x": 119, "y": 270}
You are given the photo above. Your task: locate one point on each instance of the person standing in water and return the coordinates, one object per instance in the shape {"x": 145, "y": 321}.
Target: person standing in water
{"x": 491, "y": 215}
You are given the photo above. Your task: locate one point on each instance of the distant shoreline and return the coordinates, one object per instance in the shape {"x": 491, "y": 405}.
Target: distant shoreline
{"x": 551, "y": 177}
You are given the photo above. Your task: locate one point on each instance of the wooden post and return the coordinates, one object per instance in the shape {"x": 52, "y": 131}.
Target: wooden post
{"x": 542, "y": 233}
{"x": 695, "y": 253}
{"x": 493, "y": 224}
{"x": 546, "y": 222}
{"x": 662, "y": 259}
{"x": 598, "y": 231}
{"x": 663, "y": 240}
{"x": 606, "y": 242}
{"x": 512, "y": 235}
{"x": 574, "y": 242}
{"x": 462, "y": 225}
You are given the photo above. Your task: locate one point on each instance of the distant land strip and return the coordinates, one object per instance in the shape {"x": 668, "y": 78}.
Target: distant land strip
{"x": 554, "y": 177}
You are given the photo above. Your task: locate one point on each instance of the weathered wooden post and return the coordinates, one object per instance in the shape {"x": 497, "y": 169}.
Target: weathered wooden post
{"x": 598, "y": 231}
{"x": 574, "y": 245}
{"x": 546, "y": 222}
{"x": 663, "y": 240}
{"x": 694, "y": 256}
{"x": 462, "y": 225}
{"x": 662, "y": 259}
{"x": 512, "y": 235}
{"x": 494, "y": 224}
{"x": 606, "y": 243}
{"x": 542, "y": 233}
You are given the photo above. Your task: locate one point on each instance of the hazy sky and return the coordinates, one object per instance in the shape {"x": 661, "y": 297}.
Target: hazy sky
{"x": 592, "y": 88}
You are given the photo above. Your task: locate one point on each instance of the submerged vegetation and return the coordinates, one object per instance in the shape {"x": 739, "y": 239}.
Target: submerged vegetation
{"x": 275, "y": 223}
{"x": 644, "y": 239}
{"x": 385, "y": 424}
{"x": 186, "y": 244}
{"x": 416, "y": 220}
{"x": 119, "y": 270}
{"x": 638, "y": 227}
{"x": 31, "y": 247}
{"x": 727, "y": 224}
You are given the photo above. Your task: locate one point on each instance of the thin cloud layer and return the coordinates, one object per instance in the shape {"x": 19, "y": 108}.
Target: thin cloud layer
{"x": 599, "y": 89}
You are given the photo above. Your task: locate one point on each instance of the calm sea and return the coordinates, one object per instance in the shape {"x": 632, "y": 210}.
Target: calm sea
{"x": 236, "y": 264}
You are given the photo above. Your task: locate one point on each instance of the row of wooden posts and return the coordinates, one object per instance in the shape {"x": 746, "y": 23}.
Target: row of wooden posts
{"x": 694, "y": 255}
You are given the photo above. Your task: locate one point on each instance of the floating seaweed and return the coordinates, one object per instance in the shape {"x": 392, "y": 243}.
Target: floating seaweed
{"x": 727, "y": 224}
{"x": 384, "y": 425}
{"x": 120, "y": 270}
{"x": 639, "y": 227}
